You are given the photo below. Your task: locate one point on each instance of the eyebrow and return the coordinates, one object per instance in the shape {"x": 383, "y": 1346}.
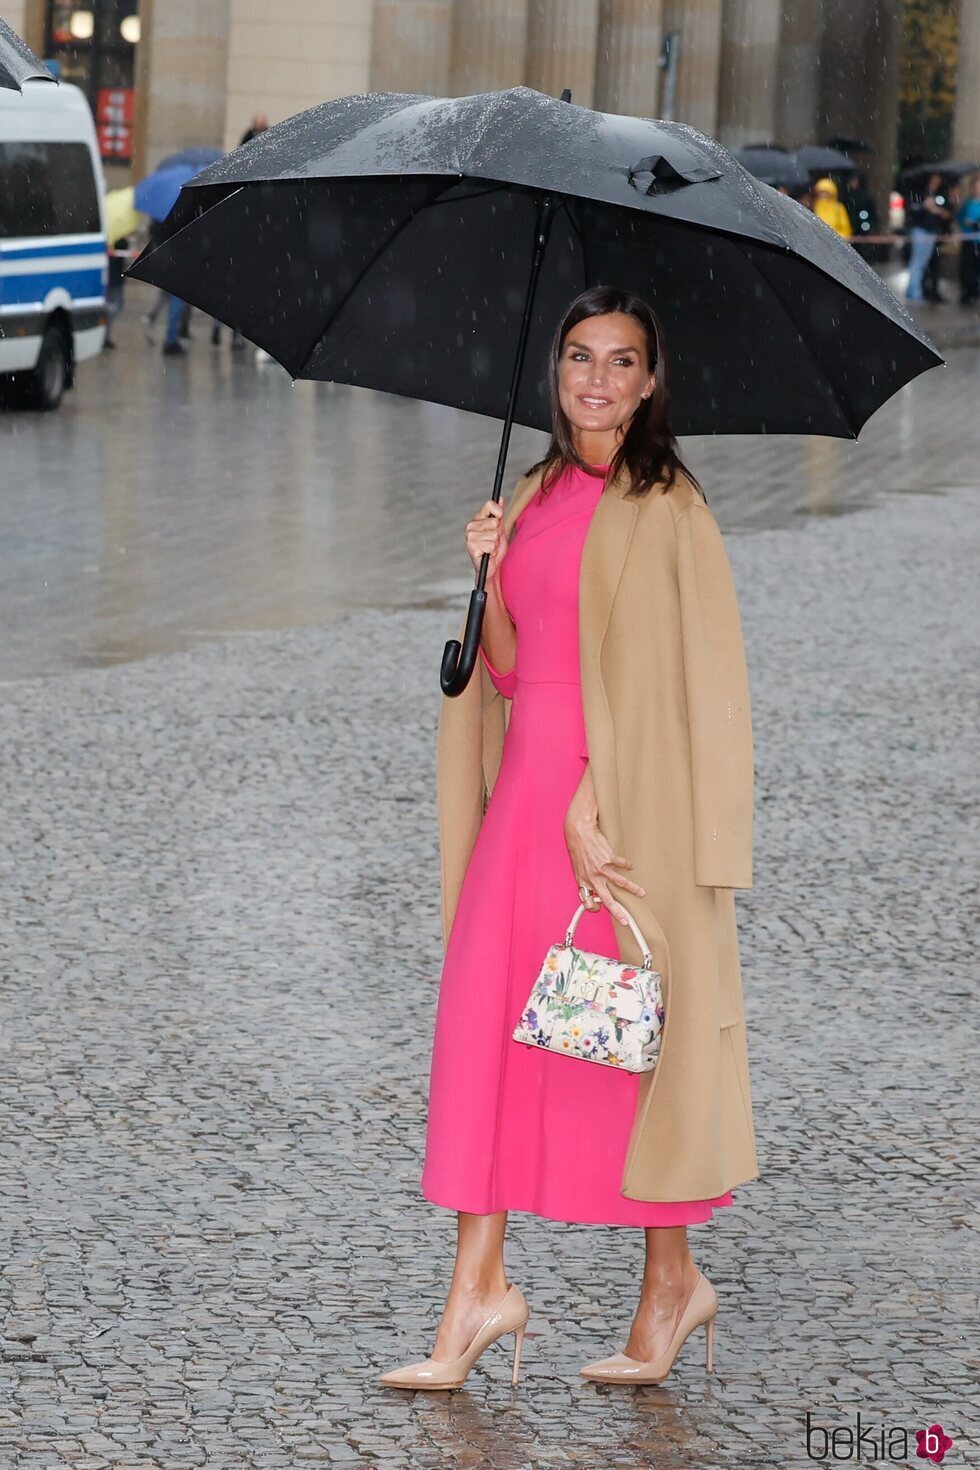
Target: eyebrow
{"x": 616, "y": 352}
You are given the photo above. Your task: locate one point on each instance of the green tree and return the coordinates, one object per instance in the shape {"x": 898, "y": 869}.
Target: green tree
{"x": 927, "y": 78}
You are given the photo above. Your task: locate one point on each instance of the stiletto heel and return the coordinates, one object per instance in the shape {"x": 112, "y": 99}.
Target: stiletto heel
{"x": 700, "y": 1309}
{"x": 518, "y": 1344}
{"x": 509, "y": 1316}
{"x": 709, "y": 1330}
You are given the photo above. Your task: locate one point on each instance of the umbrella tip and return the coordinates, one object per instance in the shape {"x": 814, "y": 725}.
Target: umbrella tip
{"x": 566, "y": 95}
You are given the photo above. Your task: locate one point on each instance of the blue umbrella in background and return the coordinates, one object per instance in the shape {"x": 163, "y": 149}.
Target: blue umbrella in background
{"x": 157, "y": 194}
{"x": 195, "y": 158}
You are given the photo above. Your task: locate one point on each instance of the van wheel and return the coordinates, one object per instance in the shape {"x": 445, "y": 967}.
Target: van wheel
{"x": 46, "y": 382}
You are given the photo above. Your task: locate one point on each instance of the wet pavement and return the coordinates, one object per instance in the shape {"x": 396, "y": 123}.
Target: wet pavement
{"x": 220, "y": 862}
{"x": 176, "y": 500}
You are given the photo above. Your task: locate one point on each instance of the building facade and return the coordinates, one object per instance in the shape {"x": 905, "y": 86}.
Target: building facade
{"x": 168, "y": 74}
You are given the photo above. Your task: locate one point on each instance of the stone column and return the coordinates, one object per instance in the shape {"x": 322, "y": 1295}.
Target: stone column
{"x": 966, "y": 118}
{"x": 489, "y": 46}
{"x": 561, "y": 47}
{"x": 748, "y": 85}
{"x": 698, "y": 24}
{"x": 182, "y": 68}
{"x": 798, "y": 72}
{"x": 627, "y": 72}
{"x": 29, "y": 20}
{"x": 859, "y": 83}
{"x": 410, "y": 46}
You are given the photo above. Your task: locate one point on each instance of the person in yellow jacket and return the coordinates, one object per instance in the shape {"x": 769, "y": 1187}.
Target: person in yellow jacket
{"x": 827, "y": 205}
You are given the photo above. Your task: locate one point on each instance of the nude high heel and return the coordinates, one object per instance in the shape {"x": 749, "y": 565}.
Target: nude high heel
{"x": 510, "y": 1315}
{"x": 700, "y": 1310}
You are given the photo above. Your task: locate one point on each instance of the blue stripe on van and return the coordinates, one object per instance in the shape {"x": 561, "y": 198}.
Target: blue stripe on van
{"x": 28, "y": 252}
{"x": 15, "y": 290}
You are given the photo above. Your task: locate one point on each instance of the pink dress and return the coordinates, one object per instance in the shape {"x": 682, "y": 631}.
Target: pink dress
{"x": 513, "y": 1127}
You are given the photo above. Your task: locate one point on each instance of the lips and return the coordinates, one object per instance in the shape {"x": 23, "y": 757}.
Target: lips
{"x": 595, "y": 402}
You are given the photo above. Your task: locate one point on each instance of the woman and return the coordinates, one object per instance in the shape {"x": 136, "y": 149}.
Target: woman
{"x": 602, "y": 753}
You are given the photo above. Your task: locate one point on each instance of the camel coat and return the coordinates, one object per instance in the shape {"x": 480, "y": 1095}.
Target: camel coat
{"x": 665, "y": 699}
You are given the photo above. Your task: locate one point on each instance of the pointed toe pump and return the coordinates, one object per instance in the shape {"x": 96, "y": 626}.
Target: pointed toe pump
{"x": 510, "y": 1315}
{"x": 701, "y": 1310}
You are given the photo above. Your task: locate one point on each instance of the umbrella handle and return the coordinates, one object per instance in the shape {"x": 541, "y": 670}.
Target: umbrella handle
{"x": 459, "y": 661}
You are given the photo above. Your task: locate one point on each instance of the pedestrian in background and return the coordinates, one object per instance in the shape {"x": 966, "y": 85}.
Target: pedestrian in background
{"x": 259, "y": 124}
{"x": 827, "y": 206}
{"x": 928, "y": 219}
{"x": 968, "y": 222}
{"x": 862, "y": 211}
{"x": 514, "y": 1127}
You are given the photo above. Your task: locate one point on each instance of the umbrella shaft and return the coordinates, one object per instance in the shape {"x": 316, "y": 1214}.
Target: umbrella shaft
{"x": 542, "y": 229}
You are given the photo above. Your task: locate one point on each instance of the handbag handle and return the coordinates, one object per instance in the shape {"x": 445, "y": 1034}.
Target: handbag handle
{"x": 644, "y": 947}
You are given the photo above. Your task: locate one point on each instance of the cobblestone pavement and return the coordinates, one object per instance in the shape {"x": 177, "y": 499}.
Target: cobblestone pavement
{"x": 217, "y": 860}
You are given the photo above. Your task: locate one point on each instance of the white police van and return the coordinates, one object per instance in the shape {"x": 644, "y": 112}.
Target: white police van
{"x": 53, "y": 259}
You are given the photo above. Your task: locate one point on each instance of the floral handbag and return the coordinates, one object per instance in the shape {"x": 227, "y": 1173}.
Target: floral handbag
{"x": 597, "y": 1008}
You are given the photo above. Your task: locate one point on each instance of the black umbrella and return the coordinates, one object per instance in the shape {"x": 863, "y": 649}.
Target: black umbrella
{"x": 953, "y": 168}
{"x": 849, "y": 145}
{"x": 427, "y": 246}
{"x": 18, "y": 64}
{"x": 823, "y": 160}
{"x": 773, "y": 166}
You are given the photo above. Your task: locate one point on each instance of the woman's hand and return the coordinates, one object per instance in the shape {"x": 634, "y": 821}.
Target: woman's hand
{"x": 485, "y": 532}
{"x": 593, "y": 860}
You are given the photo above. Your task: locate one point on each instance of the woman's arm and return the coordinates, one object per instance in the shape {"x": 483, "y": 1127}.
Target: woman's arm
{"x": 486, "y": 535}
{"x": 498, "y": 642}
{"x": 593, "y": 860}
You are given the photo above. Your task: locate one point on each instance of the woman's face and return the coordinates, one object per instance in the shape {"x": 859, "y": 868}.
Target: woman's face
{"x": 602, "y": 372}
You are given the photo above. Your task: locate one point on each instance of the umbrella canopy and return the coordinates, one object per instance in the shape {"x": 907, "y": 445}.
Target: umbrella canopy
{"x": 386, "y": 240}
{"x": 774, "y": 166}
{"x": 849, "y": 145}
{"x": 18, "y": 64}
{"x": 195, "y": 158}
{"x": 157, "y": 194}
{"x": 823, "y": 160}
{"x": 953, "y": 168}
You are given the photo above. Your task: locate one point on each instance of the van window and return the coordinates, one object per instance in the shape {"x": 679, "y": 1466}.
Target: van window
{"x": 47, "y": 189}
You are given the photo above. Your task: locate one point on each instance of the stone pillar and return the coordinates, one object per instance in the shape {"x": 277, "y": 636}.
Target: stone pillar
{"x": 28, "y": 18}
{"x": 859, "y": 84}
{"x": 285, "y": 58}
{"x": 698, "y": 24}
{"x": 748, "y": 84}
{"x": 966, "y": 118}
{"x": 182, "y": 69}
{"x": 489, "y": 46}
{"x": 627, "y": 72}
{"x": 411, "y": 42}
{"x": 798, "y": 72}
{"x": 561, "y": 47}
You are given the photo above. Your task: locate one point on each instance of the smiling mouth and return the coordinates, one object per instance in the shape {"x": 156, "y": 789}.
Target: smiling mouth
{"x": 595, "y": 402}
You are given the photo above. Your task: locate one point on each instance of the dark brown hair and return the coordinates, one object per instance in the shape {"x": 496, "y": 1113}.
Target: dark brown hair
{"x": 648, "y": 450}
